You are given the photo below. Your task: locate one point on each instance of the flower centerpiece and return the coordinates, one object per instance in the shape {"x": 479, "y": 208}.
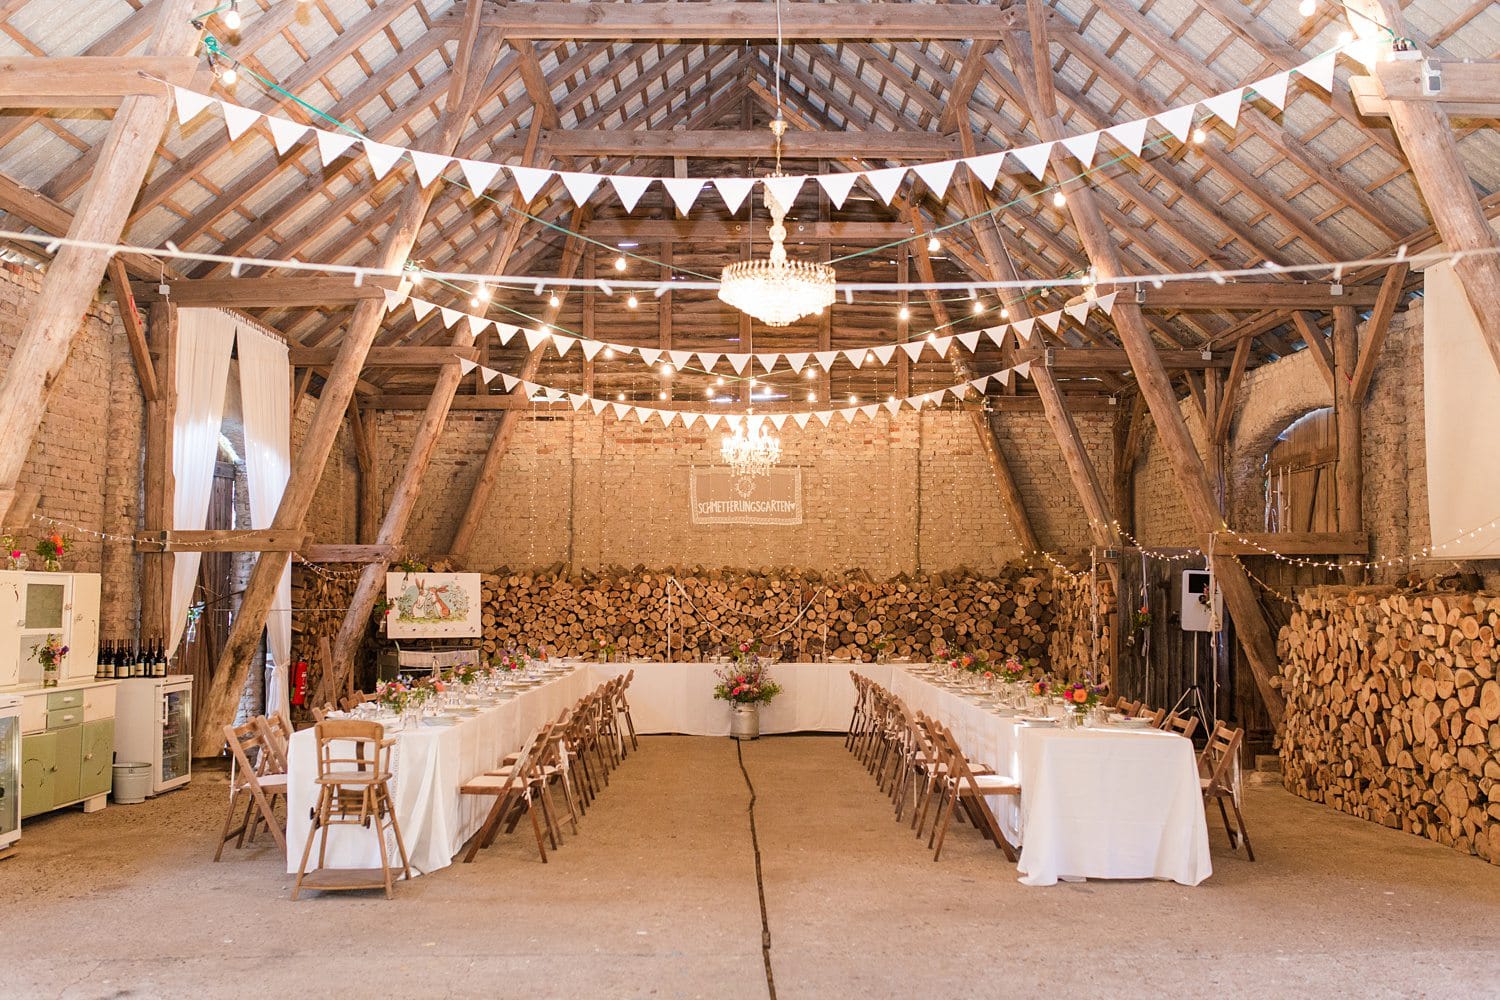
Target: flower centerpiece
{"x": 746, "y": 684}
{"x": 404, "y": 697}
{"x": 1010, "y": 670}
{"x": 50, "y": 653}
{"x": 51, "y": 550}
{"x": 14, "y": 557}
{"x": 1081, "y": 697}
{"x": 606, "y": 650}
{"x": 509, "y": 662}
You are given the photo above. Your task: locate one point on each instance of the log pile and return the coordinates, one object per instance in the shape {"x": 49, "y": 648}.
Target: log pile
{"x": 807, "y": 615}
{"x": 318, "y": 601}
{"x": 1075, "y": 651}
{"x": 1393, "y": 710}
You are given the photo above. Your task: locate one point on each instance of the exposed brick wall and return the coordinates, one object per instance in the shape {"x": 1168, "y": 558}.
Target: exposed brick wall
{"x": 902, "y": 494}
{"x": 333, "y": 515}
{"x": 86, "y": 457}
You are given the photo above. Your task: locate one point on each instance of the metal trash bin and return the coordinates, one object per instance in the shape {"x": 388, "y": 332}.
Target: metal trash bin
{"x": 132, "y": 783}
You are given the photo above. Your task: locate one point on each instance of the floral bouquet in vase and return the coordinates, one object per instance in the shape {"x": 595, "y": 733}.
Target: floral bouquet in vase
{"x": 51, "y": 550}
{"x": 50, "y": 653}
{"x": 746, "y": 681}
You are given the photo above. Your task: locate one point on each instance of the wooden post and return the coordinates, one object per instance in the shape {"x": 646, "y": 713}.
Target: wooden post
{"x": 367, "y": 461}
{"x": 74, "y": 275}
{"x": 307, "y": 467}
{"x": 160, "y": 482}
{"x": 1348, "y": 415}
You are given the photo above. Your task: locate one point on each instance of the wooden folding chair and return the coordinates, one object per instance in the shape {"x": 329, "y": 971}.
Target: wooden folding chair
{"x": 354, "y": 774}
{"x": 513, "y": 792}
{"x": 960, "y": 783}
{"x": 1182, "y": 725}
{"x": 256, "y": 779}
{"x": 1127, "y": 708}
{"x": 1220, "y": 763}
{"x": 622, "y": 708}
{"x": 1156, "y": 716}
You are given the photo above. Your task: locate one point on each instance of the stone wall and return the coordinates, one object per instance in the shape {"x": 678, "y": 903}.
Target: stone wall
{"x": 1393, "y": 710}
{"x": 905, "y": 494}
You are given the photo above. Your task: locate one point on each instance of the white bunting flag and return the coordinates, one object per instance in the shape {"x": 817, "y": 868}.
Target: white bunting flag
{"x": 1078, "y": 310}
{"x": 555, "y": 395}
{"x": 1051, "y": 319}
{"x": 620, "y": 409}
{"x": 535, "y": 338}
{"x": 708, "y": 360}
{"x": 1003, "y": 377}
{"x": 1226, "y": 106}
{"x": 580, "y": 186}
{"x": 1320, "y": 69}
{"x": 285, "y": 133}
{"x": 784, "y": 190}
{"x": 826, "y": 358}
{"x": 629, "y": 188}
{"x": 824, "y": 416}
{"x": 849, "y": 413}
{"x": 1131, "y": 135}
{"x": 913, "y": 348}
{"x": 797, "y": 361}
{"x": 837, "y": 186}
{"x": 768, "y": 361}
{"x": 970, "y": 340}
{"x": 886, "y": 182}
{"x": 1178, "y": 121}
{"x": 450, "y": 316}
{"x": 870, "y": 410}
{"x": 1105, "y": 303}
{"x": 957, "y": 391}
{"x": 684, "y": 191}
{"x": 465, "y": 365}
{"x": 429, "y": 166}
{"x": 778, "y": 420}
{"x": 884, "y": 354}
{"x": 476, "y": 324}
{"x": 855, "y": 357}
{"x": 892, "y": 405}
{"x": 711, "y": 420}
{"x": 689, "y": 419}
{"x": 1034, "y": 158}
{"x": 578, "y": 400}
{"x": 979, "y": 383}
{"x": 479, "y": 174}
{"x": 332, "y": 145}
{"x": 597, "y": 405}
{"x": 997, "y": 334}
{"x": 562, "y": 343}
{"x": 1272, "y": 88}
{"x": 238, "y": 120}
{"x": 734, "y": 190}
{"x": 529, "y": 180}
{"x": 940, "y": 344}
{"x": 505, "y": 331}
{"x": 190, "y": 104}
{"x": 488, "y": 374}
{"x": 1023, "y": 329}
{"x": 738, "y": 362}
{"x": 986, "y": 168}
{"x": 393, "y": 299}
{"x": 509, "y": 381}
{"x": 937, "y": 175}
{"x": 382, "y": 157}
{"x": 1083, "y": 147}
{"x": 1023, "y": 369}
{"x": 680, "y": 359}
{"x": 650, "y": 355}
{"x": 802, "y": 419}
{"x": 422, "y": 307}
{"x": 590, "y": 348}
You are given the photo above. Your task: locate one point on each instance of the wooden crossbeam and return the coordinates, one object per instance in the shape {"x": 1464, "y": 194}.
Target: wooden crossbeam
{"x": 319, "y": 553}
{"x": 742, "y": 21}
{"x": 874, "y": 143}
{"x": 1077, "y": 402}
{"x": 1293, "y": 543}
{"x": 88, "y": 81}
{"x": 1244, "y": 295}
{"x": 1377, "y": 327}
{"x": 225, "y": 540}
{"x": 1468, "y": 89}
{"x": 135, "y": 335}
{"x": 265, "y": 293}
{"x": 387, "y": 357}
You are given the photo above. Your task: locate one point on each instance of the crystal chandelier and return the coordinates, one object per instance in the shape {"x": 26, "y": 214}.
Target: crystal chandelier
{"x": 751, "y": 453}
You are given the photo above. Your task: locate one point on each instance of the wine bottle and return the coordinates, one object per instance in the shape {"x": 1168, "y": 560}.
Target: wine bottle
{"x": 119, "y": 661}
{"x": 161, "y": 660}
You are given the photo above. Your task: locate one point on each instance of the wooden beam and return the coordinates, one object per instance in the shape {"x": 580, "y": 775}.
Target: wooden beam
{"x": 1104, "y": 359}
{"x": 1242, "y": 295}
{"x": 55, "y": 316}
{"x": 1317, "y": 345}
{"x": 537, "y": 87}
{"x": 388, "y": 357}
{"x": 1461, "y": 82}
{"x": 135, "y": 335}
{"x": 228, "y": 678}
{"x": 1376, "y": 328}
{"x": 1348, "y": 415}
{"x": 226, "y": 540}
{"x": 1432, "y": 151}
{"x": 717, "y": 19}
{"x": 89, "y": 81}
{"x": 1224, "y": 415}
{"x": 872, "y": 144}
{"x": 269, "y": 292}
{"x": 324, "y": 553}
{"x": 1293, "y": 543}
{"x": 968, "y": 77}
{"x": 159, "y": 479}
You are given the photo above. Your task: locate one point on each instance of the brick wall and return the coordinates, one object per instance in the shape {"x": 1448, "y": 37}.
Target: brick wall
{"x": 902, "y": 494}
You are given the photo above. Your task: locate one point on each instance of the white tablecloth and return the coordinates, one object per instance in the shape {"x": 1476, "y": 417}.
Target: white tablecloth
{"x": 1095, "y": 803}
{"x": 679, "y": 697}
{"x": 429, "y": 765}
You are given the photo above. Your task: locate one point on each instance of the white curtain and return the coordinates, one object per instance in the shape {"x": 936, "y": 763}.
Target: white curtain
{"x": 205, "y": 338}
{"x": 266, "y": 399}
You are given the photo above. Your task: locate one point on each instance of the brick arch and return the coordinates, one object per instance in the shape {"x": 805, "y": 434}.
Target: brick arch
{"x": 1263, "y": 415}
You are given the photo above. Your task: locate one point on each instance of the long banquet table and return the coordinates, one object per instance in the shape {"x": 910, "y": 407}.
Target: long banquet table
{"x": 1095, "y": 803}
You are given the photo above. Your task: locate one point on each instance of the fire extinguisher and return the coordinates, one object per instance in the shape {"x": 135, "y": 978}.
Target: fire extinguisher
{"x": 299, "y": 683}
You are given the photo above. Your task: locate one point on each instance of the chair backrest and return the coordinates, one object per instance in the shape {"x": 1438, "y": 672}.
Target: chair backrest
{"x": 1156, "y": 715}
{"x": 1219, "y": 758}
{"x": 1182, "y": 725}
{"x": 351, "y": 747}
{"x": 275, "y": 734}
{"x": 1127, "y": 708}
{"x": 247, "y": 747}
{"x": 320, "y": 713}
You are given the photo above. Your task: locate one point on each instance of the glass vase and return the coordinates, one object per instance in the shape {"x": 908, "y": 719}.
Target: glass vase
{"x": 49, "y": 675}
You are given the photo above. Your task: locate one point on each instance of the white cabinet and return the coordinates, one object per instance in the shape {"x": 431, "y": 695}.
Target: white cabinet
{"x": 34, "y": 606}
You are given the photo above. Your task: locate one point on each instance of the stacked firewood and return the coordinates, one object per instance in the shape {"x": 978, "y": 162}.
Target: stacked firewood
{"x": 1082, "y": 627}
{"x": 1393, "y": 710}
{"x": 318, "y": 600}
{"x": 638, "y": 613}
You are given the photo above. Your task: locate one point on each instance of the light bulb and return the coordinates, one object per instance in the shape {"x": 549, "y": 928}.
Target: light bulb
{"x": 620, "y": 397}
{"x": 891, "y": 398}
{"x": 609, "y": 353}
{"x": 932, "y": 338}
{"x": 416, "y": 276}
{"x": 812, "y": 397}
{"x": 709, "y": 392}
{"x": 232, "y": 19}
{"x": 853, "y": 399}
{"x": 482, "y": 293}
{"x": 1059, "y": 199}
{"x": 554, "y": 302}
{"x": 719, "y": 380}
{"x": 1345, "y": 37}
{"x": 1199, "y": 137}
{"x": 662, "y": 394}
{"x": 869, "y": 357}
{"x": 474, "y": 302}
{"x": 1307, "y": 8}
{"x": 904, "y": 314}
{"x": 978, "y": 307}
{"x": 632, "y": 302}
{"x": 667, "y": 370}
{"x": 754, "y": 382}
{"x": 620, "y": 263}
{"x": 229, "y": 77}
{"x": 934, "y": 244}
{"x": 810, "y": 372}
{"x": 1004, "y": 313}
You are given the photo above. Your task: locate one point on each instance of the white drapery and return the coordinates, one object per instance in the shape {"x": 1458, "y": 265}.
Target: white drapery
{"x": 205, "y": 338}
{"x": 1461, "y": 389}
{"x": 265, "y": 397}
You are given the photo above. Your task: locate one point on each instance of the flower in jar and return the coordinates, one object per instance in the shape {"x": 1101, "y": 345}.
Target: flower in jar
{"x": 744, "y": 647}
{"x": 1080, "y": 695}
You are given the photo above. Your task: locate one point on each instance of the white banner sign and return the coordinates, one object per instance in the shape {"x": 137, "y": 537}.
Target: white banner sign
{"x": 718, "y": 496}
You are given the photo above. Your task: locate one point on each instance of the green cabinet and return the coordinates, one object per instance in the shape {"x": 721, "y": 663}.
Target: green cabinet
{"x": 65, "y": 776}
{"x": 96, "y": 771}
{"x": 38, "y": 767}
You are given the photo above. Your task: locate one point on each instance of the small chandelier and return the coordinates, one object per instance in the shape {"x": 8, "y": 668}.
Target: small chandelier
{"x": 777, "y": 291}
{"x": 751, "y": 453}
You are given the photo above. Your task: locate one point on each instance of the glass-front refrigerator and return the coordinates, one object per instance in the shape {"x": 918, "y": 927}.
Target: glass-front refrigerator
{"x": 10, "y": 771}
{"x": 176, "y": 733}
{"x": 154, "y": 725}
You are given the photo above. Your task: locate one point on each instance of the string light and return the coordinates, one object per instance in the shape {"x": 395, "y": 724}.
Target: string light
{"x": 554, "y": 302}
{"x": 978, "y": 307}
{"x": 667, "y": 371}
{"x": 232, "y": 19}
{"x": 811, "y": 372}
{"x": 1199, "y": 137}
{"x": 632, "y": 302}
{"x": 482, "y": 292}
{"x": 1059, "y": 199}
{"x": 812, "y": 397}
{"x": 620, "y": 263}
{"x": 934, "y": 244}
{"x": 903, "y": 314}
{"x": 853, "y": 399}
{"x": 1307, "y": 8}
{"x": 609, "y": 354}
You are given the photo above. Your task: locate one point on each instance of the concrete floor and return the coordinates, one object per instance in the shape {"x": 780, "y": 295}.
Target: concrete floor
{"x": 657, "y": 897}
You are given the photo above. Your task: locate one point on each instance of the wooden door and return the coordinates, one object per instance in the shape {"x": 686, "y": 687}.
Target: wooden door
{"x": 38, "y": 765}
{"x": 96, "y": 770}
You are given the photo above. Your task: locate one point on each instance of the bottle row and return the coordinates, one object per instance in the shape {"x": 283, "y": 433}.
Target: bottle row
{"x": 121, "y": 660}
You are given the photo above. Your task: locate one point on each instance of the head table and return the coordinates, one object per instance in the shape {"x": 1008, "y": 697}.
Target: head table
{"x": 1095, "y": 803}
